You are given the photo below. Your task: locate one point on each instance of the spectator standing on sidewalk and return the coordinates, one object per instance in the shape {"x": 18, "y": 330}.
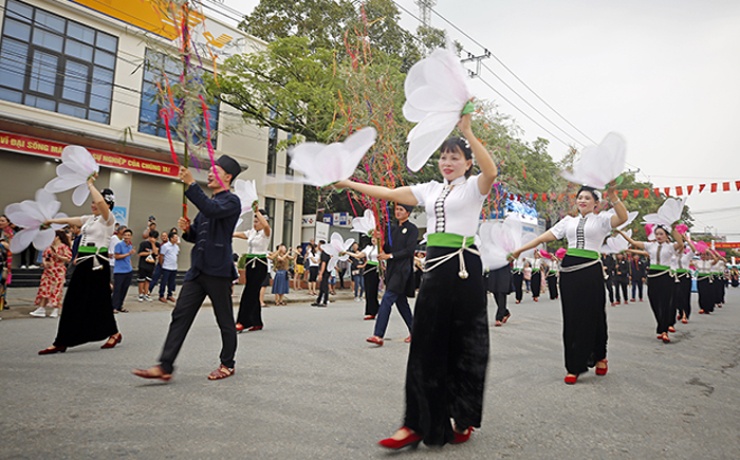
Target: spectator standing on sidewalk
{"x": 168, "y": 254}
{"x": 148, "y": 253}
{"x": 123, "y": 271}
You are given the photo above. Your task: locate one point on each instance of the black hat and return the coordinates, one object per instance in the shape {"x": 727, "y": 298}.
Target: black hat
{"x": 407, "y": 207}
{"x": 229, "y": 165}
{"x": 109, "y": 197}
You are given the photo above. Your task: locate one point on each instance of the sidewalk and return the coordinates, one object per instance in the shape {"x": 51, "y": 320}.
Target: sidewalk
{"x": 20, "y": 300}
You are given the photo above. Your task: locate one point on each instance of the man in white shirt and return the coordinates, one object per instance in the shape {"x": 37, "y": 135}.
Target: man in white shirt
{"x": 168, "y": 254}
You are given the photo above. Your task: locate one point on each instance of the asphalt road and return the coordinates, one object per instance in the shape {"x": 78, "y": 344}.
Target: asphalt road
{"x": 309, "y": 386}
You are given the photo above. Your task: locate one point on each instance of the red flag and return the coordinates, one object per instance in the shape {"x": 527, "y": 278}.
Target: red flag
{"x": 689, "y": 189}
{"x": 701, "y": 187}
{"x": 624, "y": 194}
{"x": 647, "y": 193}
{"x": 667, "y": 191}
{"x": 534, "y": 196}
{"x": 714, "y": 187}
{"x": 725, "y": 186}
{"x": 737, "y": 185}
{"x": 544, "y": 197}
{"x": 679, "y": 190}
{"x": 636, "y": 193}
{"x": 657, "y": 192}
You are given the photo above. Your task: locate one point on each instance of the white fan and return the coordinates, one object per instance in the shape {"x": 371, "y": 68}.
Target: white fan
{"x": 77, "y": 166}
{"x": 31, "y": 215}
{"x": 246, "y": 190}
{"x": 631, "y": 216}
{"x": 436, "y": 93}
{"x": 364, "y": 224}
{"x": 598, "y": 165}
{"x": 668, "y": 213}
{"x": 498, "y": 240}
{"x": 322, "y": 164}
{"x": 337, "y": 248}
{"x": 616, "y": 244}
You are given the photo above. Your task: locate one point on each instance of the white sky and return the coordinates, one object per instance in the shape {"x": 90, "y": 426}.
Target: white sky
{"x": 664, "y": 73}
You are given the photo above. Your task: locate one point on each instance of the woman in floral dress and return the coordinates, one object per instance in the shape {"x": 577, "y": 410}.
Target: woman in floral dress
{"x": 55, "y": 259}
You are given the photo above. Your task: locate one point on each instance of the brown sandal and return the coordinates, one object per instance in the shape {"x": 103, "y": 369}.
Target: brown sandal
{"x": 155, "y": 372}
{"x": 221, "y": 373}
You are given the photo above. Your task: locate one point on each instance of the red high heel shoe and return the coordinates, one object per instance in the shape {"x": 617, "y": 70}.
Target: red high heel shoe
{"x": 114, "y": 340}
{"x": 412, "y": 439}
{"x": 462, "y": 437}
{"x": 239, "y": 327}
{"x": 671, "y": 329}
{"x": 376, "y": 340}
{"x": 52, "y": 349}
{"x": 570, "y": 379}
{"x": 685, "y": 321}
{"x": 602, "y": 370}
{"x": 506, "y": 318}
{"x": 255, "y": 328}
{"x": 665, "y": 338}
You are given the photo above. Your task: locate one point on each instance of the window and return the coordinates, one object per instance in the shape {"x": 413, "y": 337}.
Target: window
{"x": 270, "y": 208}
{"x": 288, "y": 223}
{"x": 55, "y": 64}
{"x": 156, "y": 68}
{"x": 272, "y": 151}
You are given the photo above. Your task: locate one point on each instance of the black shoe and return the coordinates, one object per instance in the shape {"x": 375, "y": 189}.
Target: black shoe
{"x": 315, "y": 304}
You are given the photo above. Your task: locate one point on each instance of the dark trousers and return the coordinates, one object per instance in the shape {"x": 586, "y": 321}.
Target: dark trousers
{"x": 192, "y": 294}
{"x": 324, "y": 288}
{"x": 584, "y": 315}
{"x": 682, "y": 295}
{"x": 516, "y": 280}
{"x": 155, "y": 278}
{"x": 372, "y": 280}
{"x": 384, "y": 312}
{"x": 250, "y": 309}
{"x": 636, "y": 286}
{"x": 552, "y": 286}
{"x": 620, "y": 285}
{"x": 609, "y": 289}
{"x": 340, "y": 275}
{"x": 168, "y": 280}
{"x": 121, "y": 283}
{"x": 501, "y": 310}
{"x": 660, "y": 295}
{"x": 536, "y": 284}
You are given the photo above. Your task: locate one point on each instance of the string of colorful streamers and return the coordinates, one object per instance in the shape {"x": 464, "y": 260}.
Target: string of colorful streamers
{"x": 211, "y": 153}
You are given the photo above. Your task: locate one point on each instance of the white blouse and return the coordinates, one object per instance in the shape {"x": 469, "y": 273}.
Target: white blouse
{"x": 584, "y": 232}
{"x": 704, "y": 266}
{"x": 451, "y": 207}
{"x": 661, "y": 253}
{"x": 371, "y": 252}
{"x": 682, "y": 261}
{"x": 313, "y": 259}
{"x": 96, "y": 231}
{"x": 257, "y": 241}
{"x": 719, "y": 267}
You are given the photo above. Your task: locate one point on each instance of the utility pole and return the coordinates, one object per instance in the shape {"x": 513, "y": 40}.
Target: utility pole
{"x": 425, "y": 11}
{"x": 473, "y": 58}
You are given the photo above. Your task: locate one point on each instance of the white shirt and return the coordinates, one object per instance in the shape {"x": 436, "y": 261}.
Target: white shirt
{"x": 704, "y": 266}
{"x": 371, "y": 253}
{"x": 660, "y": 253}
{"x": 313, "y": 259}
{"x": 114, "y": 240}
{"x": 584, "y": 232}
{"x": 519, "y": 263}
{"x": 719, "y": 267}
{"x": 169, "y": 253}
{"x": 97, "y": 231}
{"x": 682, "y": 261}
{"x": 257, "y": 241}
{"x": 451, "y": 207}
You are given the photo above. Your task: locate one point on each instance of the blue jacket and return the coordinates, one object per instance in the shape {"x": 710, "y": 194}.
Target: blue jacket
{"x": 212, "y": 231}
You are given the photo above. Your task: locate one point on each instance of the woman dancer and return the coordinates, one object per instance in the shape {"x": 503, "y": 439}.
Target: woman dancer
{"x": 281, "y": 258}
{"x": 447, "y": 362}
{"x": 536, "y": 279}
{"x": 87, "y": 310}
{"x": 582, "y": 280}
{"x": 498, "y": 283}
{"x": 56, "y": 257}
{"x": 660, "y": 281}
{"x": 718, "y": 278}
{"x": 517, "y": 278}
{"x": 704, "y": 281}
{"x": 258, "y": 239}
{"x": 682, "y": 274}
{"x": 550, "y": 268}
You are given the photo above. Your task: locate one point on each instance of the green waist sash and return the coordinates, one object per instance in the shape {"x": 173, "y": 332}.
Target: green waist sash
{"x": 449, "y": 240}
{"x": 91, "y": 250}
{"x": 585, "y": 253}
{"x": 372, "y": 263}
{"x": 659, "y": 267}
{"x": 682, "y": 270}
{"x": 256, "y": 256}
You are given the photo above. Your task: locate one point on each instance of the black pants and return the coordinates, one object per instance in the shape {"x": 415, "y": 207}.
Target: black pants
{"x": 250, "y": 310}
{"x": 660, "y": 295}
{"x": 501, "y": 310}
{"x": 192, "y": 294}
{"x": 705, "y": 287}
{"x": 372, "y": 280}
{"x": 448, "y": 358}
{"x": 536, "y": 283}
{"x": 682, "y": 295}
{"x": 552, "y": 285}
{"x": 584, "y": 315}
{"x": 620, "y": 285}
{"x": 324, "y": 288}
{"x": 516, "y": 279}
{"x": 121, "y": 283}
{"x": 610, "y": 289}
{"x": 340, "y": 275}
{"x": 637, "y": 285}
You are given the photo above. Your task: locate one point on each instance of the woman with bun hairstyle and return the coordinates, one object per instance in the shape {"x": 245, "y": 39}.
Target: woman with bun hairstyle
{"x": 582, "y": 293}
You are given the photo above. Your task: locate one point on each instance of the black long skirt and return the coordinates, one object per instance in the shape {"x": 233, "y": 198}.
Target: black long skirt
{"x": 660, "y": 295}
{"x": 87, "y": 310}
{"x": 552, "y": 285}
{"x": 705, "y": 287}
{"x": 448, "y": 359}
{"x": 517, "y": 278}
{"x": 372, "y": 280}
{"x": 583, "y": 300}
{"x": 682, "y": 295}
{"x": 250, "y": 310}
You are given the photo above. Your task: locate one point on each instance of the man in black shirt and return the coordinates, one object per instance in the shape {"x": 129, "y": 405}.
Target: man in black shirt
{"x": 621, "y": 277}
{"x": 323, "y": 277}
{"x": 637, "y": 275}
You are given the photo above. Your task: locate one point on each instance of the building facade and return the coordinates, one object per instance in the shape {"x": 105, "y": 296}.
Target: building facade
{"x": 90, "y": 73}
